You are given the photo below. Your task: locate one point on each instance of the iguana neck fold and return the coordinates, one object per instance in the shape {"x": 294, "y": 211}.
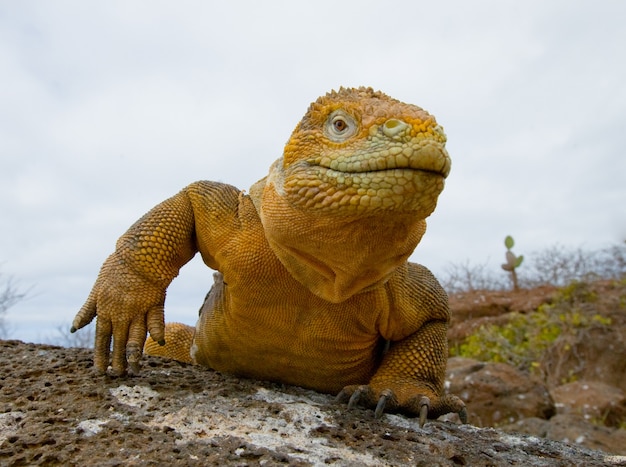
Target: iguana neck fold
{"x": 334, "y": 257}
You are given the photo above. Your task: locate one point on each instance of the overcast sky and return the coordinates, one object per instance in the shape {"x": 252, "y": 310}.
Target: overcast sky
{"x": 108, "y": 108}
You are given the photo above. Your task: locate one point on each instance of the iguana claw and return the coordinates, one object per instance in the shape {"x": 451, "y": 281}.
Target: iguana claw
{"x": 133, "y": 357}
{"x": 382, "y": 402}
{"x": 352, "y": 394}
{"x": 354, "y": 399}
{"x": 463, "y": 415}
{"x": 424, "y": 408}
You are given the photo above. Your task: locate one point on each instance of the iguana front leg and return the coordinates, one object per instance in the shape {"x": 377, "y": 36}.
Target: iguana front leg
{"x": 129, "y": 294}
{"x": 410, "y": 378}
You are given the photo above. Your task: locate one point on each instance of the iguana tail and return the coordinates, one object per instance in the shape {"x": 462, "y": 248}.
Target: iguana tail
{"x": 178, "y": 340}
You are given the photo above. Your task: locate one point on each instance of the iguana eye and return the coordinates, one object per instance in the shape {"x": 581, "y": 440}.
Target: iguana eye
{"x": 340, "y": 126}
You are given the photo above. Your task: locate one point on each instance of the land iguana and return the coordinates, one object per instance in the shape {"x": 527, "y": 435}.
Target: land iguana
{"x": 314, "y": 288}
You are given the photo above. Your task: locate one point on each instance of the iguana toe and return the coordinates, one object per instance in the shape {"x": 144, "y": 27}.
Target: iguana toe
{"x": 463, "y": 414}
{"x": 354, "y": 394}
{"x": 449, "y": 403}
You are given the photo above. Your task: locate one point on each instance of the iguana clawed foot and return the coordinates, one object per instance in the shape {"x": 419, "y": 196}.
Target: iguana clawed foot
{"x": 417, "y": 405}
{"x": 128, "y": 306}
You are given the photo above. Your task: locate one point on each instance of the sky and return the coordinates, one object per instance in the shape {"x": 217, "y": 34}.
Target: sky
{"x": 108, "y": 108}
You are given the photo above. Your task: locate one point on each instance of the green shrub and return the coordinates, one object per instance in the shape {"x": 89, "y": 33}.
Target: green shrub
{"x": 525, "y": 337}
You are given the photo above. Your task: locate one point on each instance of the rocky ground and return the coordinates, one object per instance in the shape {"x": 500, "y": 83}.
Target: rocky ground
{"x": 55, "y": 411}
{"x": 577, "y": 391}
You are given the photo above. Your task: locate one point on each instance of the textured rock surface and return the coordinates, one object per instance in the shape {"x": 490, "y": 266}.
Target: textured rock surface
{"x": 496, "y": 393}
{"x": 572, "y": 429}
{"x": 584, "y": 369}
{"x": 53, "y": 410}
{"x": 595, "y": 355}
{"x": 593, "y": 400}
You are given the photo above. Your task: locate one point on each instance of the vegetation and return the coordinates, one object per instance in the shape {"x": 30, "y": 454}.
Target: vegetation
{"x": 524, "y": 338}
{"x": 83, "y": 339}
{"x": 512, "y": 261}
{"x": 580, "y": 307}
{"x": 9, "y": 296}
{"x": 555, "y": 266}
{"x": 559, "y": 266}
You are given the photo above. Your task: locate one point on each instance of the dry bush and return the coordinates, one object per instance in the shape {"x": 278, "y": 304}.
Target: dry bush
{"x": 610, "y": 263}
{"x": 9, "y": 296}
{"x": 64, "y": 338}
{"x": 466, "y": 277}
{"x": 557, "y": 266}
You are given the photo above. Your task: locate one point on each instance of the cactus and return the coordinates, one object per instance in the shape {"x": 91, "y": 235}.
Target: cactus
{"x": 512, "y": 261}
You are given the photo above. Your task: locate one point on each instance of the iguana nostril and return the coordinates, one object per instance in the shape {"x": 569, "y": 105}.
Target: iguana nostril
{"x": 393, "y": 126}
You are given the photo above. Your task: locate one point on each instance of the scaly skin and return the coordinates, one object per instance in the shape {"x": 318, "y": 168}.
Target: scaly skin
{"x": 313, "y": 281}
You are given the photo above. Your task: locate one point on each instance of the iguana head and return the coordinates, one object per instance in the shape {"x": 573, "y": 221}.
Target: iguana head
{"x": 346, "y": 203}
{"x": 360, "y": 151}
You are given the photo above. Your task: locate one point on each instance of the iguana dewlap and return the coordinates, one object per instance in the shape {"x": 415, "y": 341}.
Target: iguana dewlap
{"x": 313, "y": 283}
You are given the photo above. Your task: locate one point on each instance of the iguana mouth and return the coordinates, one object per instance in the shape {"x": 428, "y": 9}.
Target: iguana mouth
{"x": 429, "y": 158}
{"x": 443, "y": 172}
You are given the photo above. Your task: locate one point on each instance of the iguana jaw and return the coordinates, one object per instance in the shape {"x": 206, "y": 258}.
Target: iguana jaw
{"x": 335, "y": 193}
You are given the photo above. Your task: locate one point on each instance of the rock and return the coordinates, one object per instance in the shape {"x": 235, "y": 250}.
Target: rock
{"x": 466, "y": 306}
{"x": 595, "y": 401}
{"x": 471, "y": 310}
{"x": 598, "y": 354}
{"x": 573, "y": 429}
{"x": 496, "y": 393}
{"x": 56, "y": 412}
{"x": 591, "y": 352}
